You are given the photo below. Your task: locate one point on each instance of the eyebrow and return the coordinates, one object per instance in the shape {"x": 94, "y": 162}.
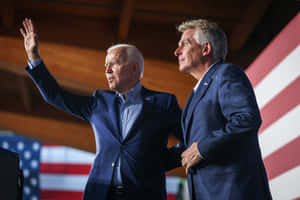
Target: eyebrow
{"x": 181, "y": 41}
{"x": 114, "y": 60}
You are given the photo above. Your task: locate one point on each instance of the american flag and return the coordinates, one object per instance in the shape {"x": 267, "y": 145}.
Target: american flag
{"x": 53, "y": 172}
{"x": 276, "y": 81}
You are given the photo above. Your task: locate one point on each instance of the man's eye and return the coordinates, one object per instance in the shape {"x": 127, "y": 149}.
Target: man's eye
{"x": 113, "y": 64}
{"x": 185, "y": 43}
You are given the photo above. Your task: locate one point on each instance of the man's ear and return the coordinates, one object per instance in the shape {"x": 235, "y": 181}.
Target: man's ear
{"x": 136, "y": 69}
{"x": 207, "y": 49}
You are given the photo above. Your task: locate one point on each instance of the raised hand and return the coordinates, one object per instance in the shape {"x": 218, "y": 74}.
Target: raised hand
{"x": 30, "y": 39}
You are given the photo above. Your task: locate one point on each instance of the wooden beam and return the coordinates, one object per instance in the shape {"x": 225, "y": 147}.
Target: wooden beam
{"x": 251, "y": 16}
{"x": 125, "y": 19}
{"x": 216, "y": 9}
{"x": 81, "y": 67}
{"x": 25, "y": 91}
{"x": 168, "y": 11}
{"x": 7, "y": 14}
{"x": 80, "y": 87}
{"x": 49, "y": 130}
{"x": 103, "y": 9}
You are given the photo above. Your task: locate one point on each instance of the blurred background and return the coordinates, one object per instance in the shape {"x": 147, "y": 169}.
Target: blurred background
{"x": 263, "y": 39}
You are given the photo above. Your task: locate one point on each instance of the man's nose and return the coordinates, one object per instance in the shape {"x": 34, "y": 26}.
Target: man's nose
{"x": 177, "y": 52}
{"x": 108, "y": 69}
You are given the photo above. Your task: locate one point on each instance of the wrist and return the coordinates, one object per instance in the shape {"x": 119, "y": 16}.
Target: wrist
{"x": 33, "y": 56}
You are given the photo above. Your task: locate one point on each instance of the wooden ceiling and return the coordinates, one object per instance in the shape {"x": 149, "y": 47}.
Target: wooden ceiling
{"x": 74, "y": 35}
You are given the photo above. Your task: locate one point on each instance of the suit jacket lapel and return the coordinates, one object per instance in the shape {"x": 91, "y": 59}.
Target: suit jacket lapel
{"x": 114, "y": 115}
{"x": 183, "y": 115}
{"x": 191, "y": 104}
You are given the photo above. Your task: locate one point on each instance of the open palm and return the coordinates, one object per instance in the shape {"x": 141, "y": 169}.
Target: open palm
{"x": 30, "y": 39}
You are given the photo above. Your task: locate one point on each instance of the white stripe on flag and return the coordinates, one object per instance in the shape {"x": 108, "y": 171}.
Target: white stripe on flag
{"x": 63, "y": 182}
{"x": 280, "y": 133}
{"x": 172, "y": 184}
{"x": 281, "y": 76}
{"x": 286, "y": 186}
{"x": 58, "y": 154}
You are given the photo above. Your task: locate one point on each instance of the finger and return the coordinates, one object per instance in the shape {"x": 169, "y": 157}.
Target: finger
{"x": 193, "y": 157}
{"x": 184, "y": 154}
{"x": 192, "y": 163}
{"x": 28, "y": 25}
{"x": 25, "y": 26}
{"x": 183, "y": 163}
{"x": 23, "y": 33}
{"x": 31, "y": 26}
{"x": 186, "y": 171}
{"x": 188, "y": 166}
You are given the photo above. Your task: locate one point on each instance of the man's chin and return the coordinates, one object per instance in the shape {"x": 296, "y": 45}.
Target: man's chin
{"x": 111, "y": 87}
{"x": 114, "y": 88}
{"x": 183, "y": 69}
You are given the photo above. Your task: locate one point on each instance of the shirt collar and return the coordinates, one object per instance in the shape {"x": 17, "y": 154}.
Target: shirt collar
{"x": 198, "y": 83}
{"x": 133, "y": 93}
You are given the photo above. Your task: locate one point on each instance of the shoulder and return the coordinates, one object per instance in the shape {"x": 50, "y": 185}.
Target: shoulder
{"x": 100, "y": 93}
{"x": 230, "y": 71}
{"x": 158, "y": 94}
{"x": 229, "y": 67}
{"x": 231, "y": 75}
{"x": 163, "y": 100}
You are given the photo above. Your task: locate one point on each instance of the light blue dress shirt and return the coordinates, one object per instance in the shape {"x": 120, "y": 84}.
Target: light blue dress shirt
{"x": 129, "y": 110}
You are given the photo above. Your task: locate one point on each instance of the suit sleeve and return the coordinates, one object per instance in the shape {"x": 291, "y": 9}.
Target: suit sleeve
{"x": 173, "y": 153}
{"x": 52, "y": 93}
{"x": 175, "y": 118}
{"x": 239, "y": 111}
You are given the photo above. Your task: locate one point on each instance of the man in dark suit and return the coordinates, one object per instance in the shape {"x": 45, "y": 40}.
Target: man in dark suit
{"x": 131, "y": 123}
{"x": 220, "y": 120}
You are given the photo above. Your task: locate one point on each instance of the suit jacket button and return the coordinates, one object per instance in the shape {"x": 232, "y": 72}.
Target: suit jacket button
{"x": 113, "y": 164}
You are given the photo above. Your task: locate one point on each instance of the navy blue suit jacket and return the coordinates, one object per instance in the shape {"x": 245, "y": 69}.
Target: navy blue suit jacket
{"x": 223, "y": 117}
{"x": 142, "y": 153}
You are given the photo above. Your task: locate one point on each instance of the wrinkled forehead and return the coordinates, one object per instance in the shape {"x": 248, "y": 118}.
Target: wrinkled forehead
{"x": 117, "y": 55}
{"x": 188, "y": 34}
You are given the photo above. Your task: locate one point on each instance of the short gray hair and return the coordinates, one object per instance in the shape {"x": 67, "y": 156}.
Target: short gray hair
{"x": 207, "y": 31}
{"x": 133, "y": 55}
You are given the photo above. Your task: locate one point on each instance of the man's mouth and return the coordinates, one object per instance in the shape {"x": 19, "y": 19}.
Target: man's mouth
{"x": 180, "y": 60}
{"x": 110, "y": 79}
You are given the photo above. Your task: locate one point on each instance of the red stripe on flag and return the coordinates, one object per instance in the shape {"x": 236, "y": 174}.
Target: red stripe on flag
{"x": 60, "y": 195}
{"x": 71, "y": 195}
{"x": 284, "y": 159}
{"x": 171, "y": 196}
{"x": 285, "y": 101}
{"x": 286, "y": 41}
{"x": 63, "y": 168}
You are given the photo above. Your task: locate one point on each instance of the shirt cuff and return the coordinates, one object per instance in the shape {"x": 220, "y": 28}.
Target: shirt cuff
{"x": 35, "y": 63}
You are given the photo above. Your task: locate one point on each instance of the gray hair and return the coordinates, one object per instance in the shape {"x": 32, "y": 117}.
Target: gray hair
{"x": 133, "y": 55}
{"x": 207, "y": 31}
